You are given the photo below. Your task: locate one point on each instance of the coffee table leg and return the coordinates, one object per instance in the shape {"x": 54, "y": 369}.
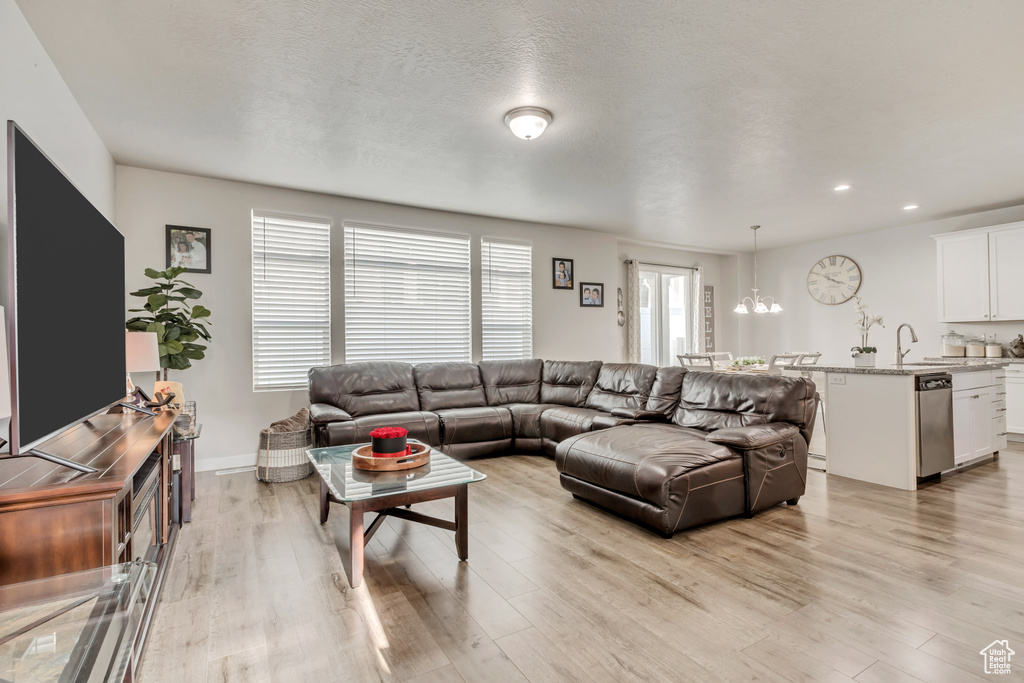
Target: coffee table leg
{"x": 356, "y": 541}
{"x": 462, "y": 521}
{"x": 324, "y": 502}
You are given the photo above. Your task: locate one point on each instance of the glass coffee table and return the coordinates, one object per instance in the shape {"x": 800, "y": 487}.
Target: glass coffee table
{"x": 387, "y": 492}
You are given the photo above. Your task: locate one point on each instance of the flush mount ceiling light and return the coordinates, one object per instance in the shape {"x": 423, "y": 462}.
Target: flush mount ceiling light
{"x": 527, "y": 123}
{"x": 910, "y": 207}
{"x": 841, "y": 188}
{"x": 759, "y": 304}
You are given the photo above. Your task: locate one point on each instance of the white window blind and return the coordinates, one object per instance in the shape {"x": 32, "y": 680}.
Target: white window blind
{"x": 506, "y": 299}
{"x": 407, "y": 295}
{"x": 291, "y": 300}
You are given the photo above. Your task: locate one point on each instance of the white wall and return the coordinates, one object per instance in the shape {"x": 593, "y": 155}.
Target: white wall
{"x": 34, "y": 95}
{"x": 899, "y": 283}
{"x": 230, "y": 411}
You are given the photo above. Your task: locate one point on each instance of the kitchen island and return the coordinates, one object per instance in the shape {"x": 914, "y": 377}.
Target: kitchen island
{"x": 871, "y": 423}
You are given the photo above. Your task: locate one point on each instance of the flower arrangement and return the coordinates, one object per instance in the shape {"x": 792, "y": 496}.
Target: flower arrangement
{"x": 864, "y": 323}
{"x": 389, "y": 432}
{"x": 389, "y": 442}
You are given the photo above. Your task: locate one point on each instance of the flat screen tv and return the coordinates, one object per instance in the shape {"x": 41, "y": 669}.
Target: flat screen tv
{"x": 65, "y": 301}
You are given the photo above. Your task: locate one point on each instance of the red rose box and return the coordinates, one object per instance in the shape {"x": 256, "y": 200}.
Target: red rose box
{"x": 389, "y": 442}
{"x": 390, "y": 450}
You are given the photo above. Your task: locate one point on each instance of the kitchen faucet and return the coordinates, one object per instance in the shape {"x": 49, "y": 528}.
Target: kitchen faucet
{"x": 900, "y": 353}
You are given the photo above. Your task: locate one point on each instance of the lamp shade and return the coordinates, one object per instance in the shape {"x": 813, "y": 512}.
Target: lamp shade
{"x": 142, "y": 353}
{"x": 5, "y": 371}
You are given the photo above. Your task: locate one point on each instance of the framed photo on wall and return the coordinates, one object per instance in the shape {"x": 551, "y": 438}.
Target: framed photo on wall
{"x": 189, "y": 248}
{"x": 592, "y": 294}
{"x": 561, "y": 273}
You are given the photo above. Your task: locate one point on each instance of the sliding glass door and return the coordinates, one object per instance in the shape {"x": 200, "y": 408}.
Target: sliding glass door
{"x": 666, "y": 323}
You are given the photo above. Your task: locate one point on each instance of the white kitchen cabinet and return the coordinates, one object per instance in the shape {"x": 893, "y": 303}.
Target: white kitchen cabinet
{"x": 979, "y": 276}
{"x": 1015, "y": 400}
{"x": 978, "y": 423}
{"x": 962, "y": 405}
{"x": 963, "y": 278}
{"x": 1006, "y": 277}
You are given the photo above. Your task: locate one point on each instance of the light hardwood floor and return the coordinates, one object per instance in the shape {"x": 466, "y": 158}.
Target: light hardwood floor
{"x": 856, "y": 582}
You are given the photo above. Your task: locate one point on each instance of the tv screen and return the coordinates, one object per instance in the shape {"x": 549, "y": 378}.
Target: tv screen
{"x": 66, "y": 303}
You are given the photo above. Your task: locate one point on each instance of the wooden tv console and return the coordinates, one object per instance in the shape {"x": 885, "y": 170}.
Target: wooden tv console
{"x": 55, "y": 520}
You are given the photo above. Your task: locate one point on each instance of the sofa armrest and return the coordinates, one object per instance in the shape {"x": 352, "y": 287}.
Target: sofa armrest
{"x": 322, "y": 413}
{"x": 639, "y": 414}
{"x": 754, "y": 436}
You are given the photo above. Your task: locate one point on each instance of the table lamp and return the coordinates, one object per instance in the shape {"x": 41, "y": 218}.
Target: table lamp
{"x": 5, "y": 380}
{"x": 141, "y": 354}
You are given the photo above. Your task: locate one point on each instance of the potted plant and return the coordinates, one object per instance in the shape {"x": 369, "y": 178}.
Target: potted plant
{"x": 178, "y": 325}
{"x": 864, "y": 355}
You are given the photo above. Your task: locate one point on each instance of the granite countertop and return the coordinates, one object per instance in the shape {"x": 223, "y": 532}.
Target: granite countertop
{"x": 912, "y": 369}
{"x": 972, "y": 361}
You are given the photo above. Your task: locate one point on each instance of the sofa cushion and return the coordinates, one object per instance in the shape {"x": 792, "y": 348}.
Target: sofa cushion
{"x": 370, "y": 388}
{"x": 640, "y": 460}
{"x": 421, "y": 425}
{"x": 561, "y": 422}
{"x": 568, "y": 383}
{"x": 719, "y": 400}
{"x": 668, "y": 384}
{"x": 449, "y": 385}
{"x": 511, "y": 381}
{"x": 471, "y": 425}
{"x": 622, "y": 385}
{"x": 526, "y": 418}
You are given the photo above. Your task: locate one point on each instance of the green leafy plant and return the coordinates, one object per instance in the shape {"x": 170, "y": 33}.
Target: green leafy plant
{"x": 178, "y": 324}
{"x": 749, "y": 360}
{"x": 857, "y": 350}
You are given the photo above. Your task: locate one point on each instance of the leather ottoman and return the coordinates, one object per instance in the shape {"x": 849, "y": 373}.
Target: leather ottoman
{"x": 664, "y": 476}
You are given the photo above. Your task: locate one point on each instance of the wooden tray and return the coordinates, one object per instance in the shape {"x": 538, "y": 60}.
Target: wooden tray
{"x": 361, "y": 459}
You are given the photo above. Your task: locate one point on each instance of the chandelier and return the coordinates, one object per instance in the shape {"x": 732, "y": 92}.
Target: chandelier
{"x": 757, "y": 302}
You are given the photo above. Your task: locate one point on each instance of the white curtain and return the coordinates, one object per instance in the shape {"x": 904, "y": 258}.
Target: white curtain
{"x": 697, "y": 306}
{"x": 632, "y": 311}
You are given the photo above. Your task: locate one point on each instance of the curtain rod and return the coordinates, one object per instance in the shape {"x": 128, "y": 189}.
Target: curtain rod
{"x": 662, "y": 265}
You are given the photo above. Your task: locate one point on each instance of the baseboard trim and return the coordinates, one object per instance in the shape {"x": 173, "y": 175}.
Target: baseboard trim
{"x": 226, "y": 462}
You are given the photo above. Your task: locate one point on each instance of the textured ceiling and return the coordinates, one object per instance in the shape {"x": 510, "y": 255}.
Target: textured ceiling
{"x": 680, "y": 121}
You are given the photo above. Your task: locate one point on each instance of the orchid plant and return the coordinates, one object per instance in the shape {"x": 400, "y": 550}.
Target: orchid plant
{"x": 864, "y": 322}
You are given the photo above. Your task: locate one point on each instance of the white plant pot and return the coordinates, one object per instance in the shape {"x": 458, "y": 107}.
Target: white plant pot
{"x": 864, "y": 360}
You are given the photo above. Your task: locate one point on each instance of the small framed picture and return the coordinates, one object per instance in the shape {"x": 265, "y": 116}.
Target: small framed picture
{"x": 188, "y": 248}
{"x": 561, "y": 269}
{"x": 592, "y": 294}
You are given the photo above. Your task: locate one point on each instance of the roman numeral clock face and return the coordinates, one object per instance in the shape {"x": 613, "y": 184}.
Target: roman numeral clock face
{"x": 833, "y": 280}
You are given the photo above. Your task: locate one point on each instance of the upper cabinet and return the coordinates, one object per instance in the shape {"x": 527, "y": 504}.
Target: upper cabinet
{"x": 979, "y": 274}
{"x": 1006, "y": 273}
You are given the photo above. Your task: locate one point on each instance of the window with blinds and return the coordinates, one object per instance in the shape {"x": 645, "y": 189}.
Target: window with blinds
{"x": 291, "y": 300}
{"x": 407, "y": 295}
{"x": 506, "y": 299}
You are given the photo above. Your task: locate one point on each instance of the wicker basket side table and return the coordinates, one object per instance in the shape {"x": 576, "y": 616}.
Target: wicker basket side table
{"x": 282, "y": 456}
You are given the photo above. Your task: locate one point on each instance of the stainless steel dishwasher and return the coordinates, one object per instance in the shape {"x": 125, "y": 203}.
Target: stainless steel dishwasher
{"x": 934, "y": 424}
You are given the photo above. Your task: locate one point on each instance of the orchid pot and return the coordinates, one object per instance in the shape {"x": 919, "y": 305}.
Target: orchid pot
{"x": 863, "y": 356}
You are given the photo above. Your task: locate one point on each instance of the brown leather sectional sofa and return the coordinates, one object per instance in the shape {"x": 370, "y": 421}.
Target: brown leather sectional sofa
{"x": 665, "y": 447}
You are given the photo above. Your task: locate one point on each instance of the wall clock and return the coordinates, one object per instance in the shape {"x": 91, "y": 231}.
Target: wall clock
{"x": 833, "y": 280}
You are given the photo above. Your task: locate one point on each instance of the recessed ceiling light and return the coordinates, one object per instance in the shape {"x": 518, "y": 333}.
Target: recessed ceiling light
{"x": 842, "y": 188}
{"x": 528, "y": 123}
{"x": 910, "y": 207}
